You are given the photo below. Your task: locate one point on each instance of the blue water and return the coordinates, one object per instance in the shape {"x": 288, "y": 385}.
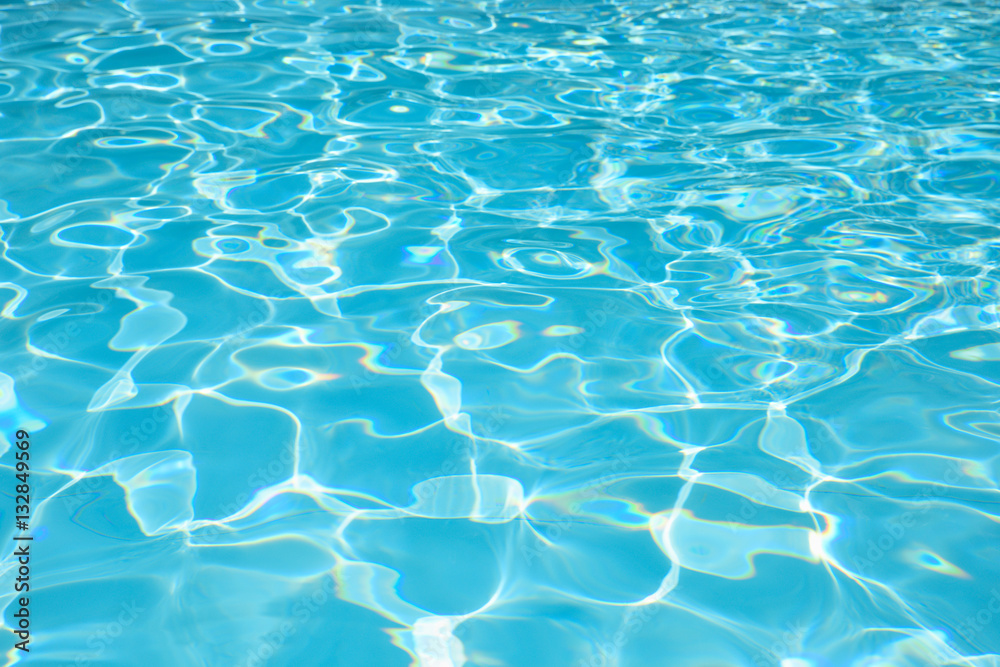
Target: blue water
{"x": 484, "y": 334}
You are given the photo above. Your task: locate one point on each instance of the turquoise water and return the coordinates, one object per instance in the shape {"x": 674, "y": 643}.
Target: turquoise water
{"x": 492, "y": 333}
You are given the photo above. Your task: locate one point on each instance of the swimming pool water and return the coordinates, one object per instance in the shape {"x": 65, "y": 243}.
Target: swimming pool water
{"x": 502, "y": 333}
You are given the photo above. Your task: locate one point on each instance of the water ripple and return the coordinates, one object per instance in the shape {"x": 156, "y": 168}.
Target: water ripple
{"x": 505, "y": 334}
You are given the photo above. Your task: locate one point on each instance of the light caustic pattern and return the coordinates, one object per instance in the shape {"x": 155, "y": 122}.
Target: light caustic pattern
{"x": 504, "y": 333}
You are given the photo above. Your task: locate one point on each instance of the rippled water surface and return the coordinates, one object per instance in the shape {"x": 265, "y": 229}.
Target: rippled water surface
{"x": 503, "y": 333}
